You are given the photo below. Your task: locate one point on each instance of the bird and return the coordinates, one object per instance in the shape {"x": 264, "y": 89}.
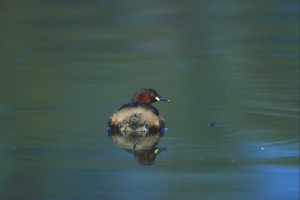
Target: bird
{"x": 139, "y": 115}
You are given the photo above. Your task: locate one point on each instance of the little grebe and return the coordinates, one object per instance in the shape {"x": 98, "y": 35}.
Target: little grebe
{"x": 139, "y": 115}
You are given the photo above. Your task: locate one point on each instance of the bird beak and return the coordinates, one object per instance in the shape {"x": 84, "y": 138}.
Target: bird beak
{"x": 161, "y": 99}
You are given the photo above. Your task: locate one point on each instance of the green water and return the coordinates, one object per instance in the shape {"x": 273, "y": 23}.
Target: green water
{"x": 66, "y": 66}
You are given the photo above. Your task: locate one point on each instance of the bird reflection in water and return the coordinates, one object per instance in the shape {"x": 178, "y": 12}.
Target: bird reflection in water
{"x": 143, "y": 145}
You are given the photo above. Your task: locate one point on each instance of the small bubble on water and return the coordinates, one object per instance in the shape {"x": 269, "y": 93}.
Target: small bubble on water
{"x": 262, "y": 148}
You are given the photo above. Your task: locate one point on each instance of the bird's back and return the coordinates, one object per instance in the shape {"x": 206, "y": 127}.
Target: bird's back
{"x": 136, "y": 118}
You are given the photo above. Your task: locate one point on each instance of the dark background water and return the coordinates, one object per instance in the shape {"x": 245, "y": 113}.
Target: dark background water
{"x": 66, "y": 66}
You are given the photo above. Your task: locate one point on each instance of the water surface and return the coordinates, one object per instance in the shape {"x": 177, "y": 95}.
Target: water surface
{"x": 66, "y": 66}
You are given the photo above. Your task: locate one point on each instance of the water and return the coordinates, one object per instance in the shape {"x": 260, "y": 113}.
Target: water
{"x": 66, "y": 66}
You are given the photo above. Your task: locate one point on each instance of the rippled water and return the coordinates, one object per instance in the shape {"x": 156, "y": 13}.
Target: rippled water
{"x": 231, "y": 70}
